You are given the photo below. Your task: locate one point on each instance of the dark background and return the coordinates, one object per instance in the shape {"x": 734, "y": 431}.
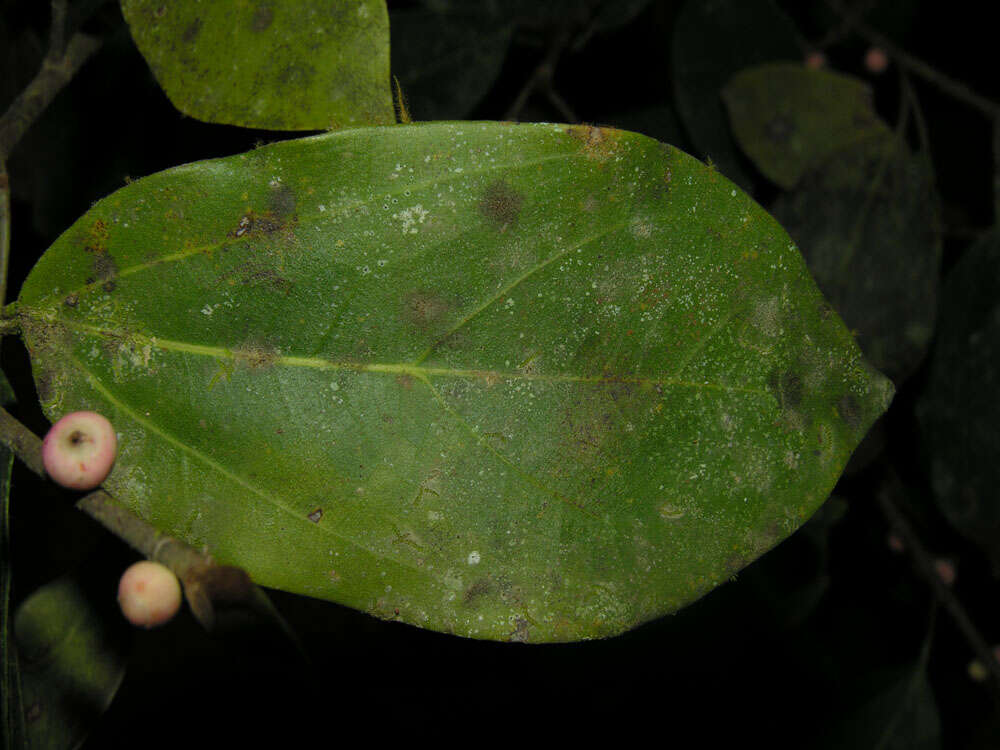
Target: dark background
{"x": 808, "y": 647}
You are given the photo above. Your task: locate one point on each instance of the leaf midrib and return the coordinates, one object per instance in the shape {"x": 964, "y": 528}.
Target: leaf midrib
{"x": 395, "y": 369}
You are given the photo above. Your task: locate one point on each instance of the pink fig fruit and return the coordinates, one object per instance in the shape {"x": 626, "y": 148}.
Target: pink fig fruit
{"x": 79, "y": 450}
{"x": 149, "y": 594}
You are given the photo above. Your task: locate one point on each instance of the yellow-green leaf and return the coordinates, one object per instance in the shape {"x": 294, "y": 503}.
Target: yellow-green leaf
{"x": 290, "y": 65}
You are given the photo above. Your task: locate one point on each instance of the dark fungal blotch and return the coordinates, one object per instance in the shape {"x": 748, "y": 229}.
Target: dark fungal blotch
{"x": 501, "y": 204}
{"x": 262, "y": 19}
{"x": 191, "y": 32}
{"x": 252, "y": 224}
{"x": 425, "y": 310}
{"x": 850, "y": 411}
{"x": 476, "y": 590}
{"x": 786, "y": 387}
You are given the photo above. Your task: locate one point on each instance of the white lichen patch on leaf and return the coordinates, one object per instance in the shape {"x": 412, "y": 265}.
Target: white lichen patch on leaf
{"x": 411, "y": 217}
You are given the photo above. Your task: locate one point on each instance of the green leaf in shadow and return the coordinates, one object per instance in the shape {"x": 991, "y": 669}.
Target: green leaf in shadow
{"x": 528, "y": 382}
{"x": 958, "y": 411}
{"x": 790, "y": 120}
{"x": 447, "y": 59}
{"x": 71, "y": 649}
{"x": 713, "y": 41}
{"x": 867, "y": 225}
{"x": 300, "y": 65}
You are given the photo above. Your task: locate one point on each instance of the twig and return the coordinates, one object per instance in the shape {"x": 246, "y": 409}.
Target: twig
{"x": 948, "y": 599}
{"x": 542, "y": 78}
{"x": 57, "y": 70}
{"x": 849, "y": 18}
{"x": 57, "y": 33}
{"x": 955, "y": 89}
{"x": 206, "y": 583}
{"x": 923, "y": 132}
{"x": 4, "y": 235}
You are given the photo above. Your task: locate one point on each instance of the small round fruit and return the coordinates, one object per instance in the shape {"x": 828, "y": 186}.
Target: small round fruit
{"x": 149, "y": 594}
{"x": 79, "y": 449}
{"x": 876, "y": 60}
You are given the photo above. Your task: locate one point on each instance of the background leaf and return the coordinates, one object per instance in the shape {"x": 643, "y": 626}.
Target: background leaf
{"x": 300, "y": 65}
{"x": 71, "y": 643}
{"x": 958, "y": 410}
{"x": 712, "y": 41}
{"x": 447, "y": 59}
{"x": 867, "y": 224}
{"x": 557, "y": 380}
{"x": 790, "y": 120}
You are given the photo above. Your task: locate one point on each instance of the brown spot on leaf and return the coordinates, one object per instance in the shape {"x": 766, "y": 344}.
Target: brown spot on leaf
{"x": 191, "y": 32}
{"x": 850, "y": 411}
{"x": 476, "y": 590}
{"x": 597, "y": 143}
{"x": 43, "y": 385}
{"x": 267, "y": 223}
{"x": 425, "y": 310}
{"x": 262, "y": 19}
{"x": 256, "y": 357}
{"x": 256, "y": 272}
{"x": 501, "y": 204}
{"x": 316, "y": 515}
{"x": 786, "y": 387}
{"x": 521, "y": 633}
{"x": 72, "y": 300}
{"x": 406, "y": 381}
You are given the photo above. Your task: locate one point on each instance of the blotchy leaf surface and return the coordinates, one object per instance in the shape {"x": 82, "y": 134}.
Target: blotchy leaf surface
{"x": 528, "y": 382}
{"x": 291, "y": 65}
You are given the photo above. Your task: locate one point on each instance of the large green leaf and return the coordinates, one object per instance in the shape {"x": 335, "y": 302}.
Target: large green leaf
{"x": 532, "y": 382}
{"x": 290, "y": 65}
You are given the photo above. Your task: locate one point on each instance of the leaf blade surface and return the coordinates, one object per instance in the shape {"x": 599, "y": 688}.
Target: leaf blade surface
{"x": 533, "y": 382}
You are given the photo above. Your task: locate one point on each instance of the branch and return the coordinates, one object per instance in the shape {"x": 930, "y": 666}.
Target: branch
{"x": 206, "y": 583}
{"x": 541, "y": 78}
{"x": 57, "y": 34}
{"x": 4, "y": 236}
{"x": 950, "y": 86}
{"x": 945, "y": 595}
{"x": 57, "y": 70}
